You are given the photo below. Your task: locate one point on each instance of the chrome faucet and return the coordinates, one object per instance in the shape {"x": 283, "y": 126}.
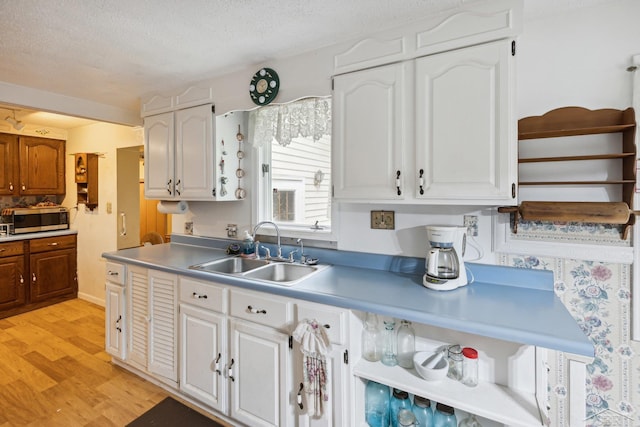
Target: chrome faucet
{"x": 260, "y": 224}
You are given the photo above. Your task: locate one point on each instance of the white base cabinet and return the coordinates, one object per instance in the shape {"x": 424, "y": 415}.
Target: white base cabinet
{"x": 114, "y": 313}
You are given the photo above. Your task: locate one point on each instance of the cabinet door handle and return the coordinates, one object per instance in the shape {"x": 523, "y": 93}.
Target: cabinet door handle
{"x": 169, "y": 186}
{"x": 421, "y": 181}
{"x": 33, "y": 277}
{"x": 11, "y": 186}
{"x": 119, "y": 319}
{"x": 24, "y": 187}
{"x": 299, "y": 396}
{"x": 2, "y": 249}
{"x": 178, "y": 187}
{"x": 123, "y": 230}
{"x": 52, "y": 244}
{"x": 112, "y": 273}
{"x": 119, "y": 329}
{"x": 398, "y": 183}
{"x": 217, "y": 364}
{"x": 196, "y": 295}
{"x": 255, "y": 310}
{"x": 21, "y": 279}
{"x": 230, "y": 371}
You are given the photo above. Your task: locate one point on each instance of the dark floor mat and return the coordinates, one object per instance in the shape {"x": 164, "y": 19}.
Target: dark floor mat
{"x": 171, "y": 413}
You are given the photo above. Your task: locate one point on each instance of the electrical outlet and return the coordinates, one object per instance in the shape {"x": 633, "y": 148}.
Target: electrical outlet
{"x": 383, "y": 220}
{"x": 471, "y": 222}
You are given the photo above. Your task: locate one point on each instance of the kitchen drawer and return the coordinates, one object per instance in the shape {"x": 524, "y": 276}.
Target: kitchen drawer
{"x": 115, "y": 273}
{"x": 260, "y": 308}
{"x": 207, "y": 295}
{"x": 334, "y": 320}
{"x": 11, "y": 248}
{"x": 52, "y": 243}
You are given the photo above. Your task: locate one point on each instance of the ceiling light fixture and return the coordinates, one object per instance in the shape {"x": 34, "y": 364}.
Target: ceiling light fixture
{"x": 17, "y": 124}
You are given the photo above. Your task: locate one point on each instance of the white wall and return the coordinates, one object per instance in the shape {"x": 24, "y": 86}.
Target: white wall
{"x": 97, "y": 229}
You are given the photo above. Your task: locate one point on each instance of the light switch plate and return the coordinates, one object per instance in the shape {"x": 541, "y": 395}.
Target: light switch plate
{"x": 383, "y": 220}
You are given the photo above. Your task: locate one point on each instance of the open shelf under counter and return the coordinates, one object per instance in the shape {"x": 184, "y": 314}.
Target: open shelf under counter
{"x": 492, "y": 401}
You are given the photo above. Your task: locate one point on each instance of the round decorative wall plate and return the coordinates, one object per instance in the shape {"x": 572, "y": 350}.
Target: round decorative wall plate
{"x": 264, "y": 86}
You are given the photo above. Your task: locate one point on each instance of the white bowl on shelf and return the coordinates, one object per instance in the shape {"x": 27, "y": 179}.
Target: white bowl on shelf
{"x": 431, "y": 373}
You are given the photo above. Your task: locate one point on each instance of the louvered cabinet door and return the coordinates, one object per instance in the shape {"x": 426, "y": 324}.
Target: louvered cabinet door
{"x": 163, "y": 315}
{"x": 137, "y": 316}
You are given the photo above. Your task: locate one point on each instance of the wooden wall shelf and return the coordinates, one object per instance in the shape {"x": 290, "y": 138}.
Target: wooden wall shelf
{"x": 575, "y": 121}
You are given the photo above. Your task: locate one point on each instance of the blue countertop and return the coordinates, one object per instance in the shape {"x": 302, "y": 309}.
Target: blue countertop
{"x": 506, "y": 303}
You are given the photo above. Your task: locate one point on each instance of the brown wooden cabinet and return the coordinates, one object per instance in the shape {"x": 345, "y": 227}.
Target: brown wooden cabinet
{"x": 52, "y": 268}
{"x": 9, "y": 177}
{"x": 31, "y": 166}
{"x": 12, "y": 275}
{"x": 42, "y": 166}
{"x": 36, "y": 273}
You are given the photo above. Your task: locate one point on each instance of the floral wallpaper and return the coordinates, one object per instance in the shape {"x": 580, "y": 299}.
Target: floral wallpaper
{"x": 598, "y": 296}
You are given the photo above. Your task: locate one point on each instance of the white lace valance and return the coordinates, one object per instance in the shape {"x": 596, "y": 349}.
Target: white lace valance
{"x": 309, "y": 117}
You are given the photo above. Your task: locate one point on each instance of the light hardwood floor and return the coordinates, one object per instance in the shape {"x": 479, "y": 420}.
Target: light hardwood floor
{"x": 54, "y": 371}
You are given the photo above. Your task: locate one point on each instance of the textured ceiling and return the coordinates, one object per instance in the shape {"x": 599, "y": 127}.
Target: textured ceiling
{"x": 114, "y": 51}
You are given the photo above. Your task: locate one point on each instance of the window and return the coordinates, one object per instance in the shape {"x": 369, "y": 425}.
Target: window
{"x": 295, "y": 158}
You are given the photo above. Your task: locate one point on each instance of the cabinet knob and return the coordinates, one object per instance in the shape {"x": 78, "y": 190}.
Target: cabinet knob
{"x": 217, "y": 364}
{"x": 21, "y": 280}
{"x": 255, "y": 310}
{"x": 299, "y": 396}
{"x": 33, "y": 277}
{"x": 11, "y": 186}
{"x": 230, "y": 371}
{"x": 24, "y": 187}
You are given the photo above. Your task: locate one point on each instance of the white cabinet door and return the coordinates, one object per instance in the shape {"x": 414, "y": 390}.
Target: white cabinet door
{"x": 335, "y": 411}
{"x": 159, "y": 149}
{"x": 137, "y": 320}
{"x": 259, "y": 375}
{"x": 465, "y": 130}
{"x": 203, "y": 356}
{"x": 163, "y": 318}
{"x": 194, "y": 177}
{"x": 370, "y": 113}
{"x": 115, "y": 329}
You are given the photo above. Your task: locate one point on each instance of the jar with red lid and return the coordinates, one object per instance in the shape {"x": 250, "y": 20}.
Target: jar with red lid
{"x": 469, "y": 366}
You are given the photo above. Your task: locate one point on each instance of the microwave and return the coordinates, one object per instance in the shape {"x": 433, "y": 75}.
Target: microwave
{"x": 33, "y": 220}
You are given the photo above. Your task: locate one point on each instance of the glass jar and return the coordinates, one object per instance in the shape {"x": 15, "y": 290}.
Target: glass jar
{"x": 469, "y": 367}
{"x": 399, "y": 400}
{"x": 470, "y": 421}
{"x": 389, "y": 344}
{"x": 372, "y": 338}
{"x": 422, "y": 410}
{"x": 376, "y": 406}
{"x": 406, "y": 344}
{"x": 406, "y": 418}
{"x": 444, "y": 416}
{"x": 454, "y": 355}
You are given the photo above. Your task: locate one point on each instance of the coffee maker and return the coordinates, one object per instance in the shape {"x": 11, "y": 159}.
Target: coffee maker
{"x": 444, "y": 267}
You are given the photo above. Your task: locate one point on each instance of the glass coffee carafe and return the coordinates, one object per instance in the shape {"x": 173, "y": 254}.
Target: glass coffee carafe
{"x": 442, "y": 263}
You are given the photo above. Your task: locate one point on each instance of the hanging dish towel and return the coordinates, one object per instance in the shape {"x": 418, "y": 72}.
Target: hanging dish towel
{"x": 315, "y": 345}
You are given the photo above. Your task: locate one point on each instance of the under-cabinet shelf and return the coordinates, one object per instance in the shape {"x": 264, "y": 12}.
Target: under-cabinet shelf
{"x": 492, "y": 401}
{"x": 576, "y": 121}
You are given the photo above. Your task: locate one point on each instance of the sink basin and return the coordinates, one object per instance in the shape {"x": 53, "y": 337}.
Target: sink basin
{"x": 283, "y": 273}
{"x": 234, "y": 265}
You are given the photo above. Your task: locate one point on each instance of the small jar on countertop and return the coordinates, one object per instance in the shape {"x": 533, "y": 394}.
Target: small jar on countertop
{"x": 469, "y": 367}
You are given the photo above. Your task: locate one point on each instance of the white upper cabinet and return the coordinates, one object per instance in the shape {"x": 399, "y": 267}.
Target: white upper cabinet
{"x": 465, "y": 131}
{"x": 369, "y": 111}
{"x": 437, "y": 125}
{"x": 159, "y": 156}
{"x": 179, "y": 146}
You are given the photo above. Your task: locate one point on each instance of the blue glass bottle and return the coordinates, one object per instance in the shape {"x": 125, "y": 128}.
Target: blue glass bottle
{"x": 444, "y": 416}
{"x": 376, "y": 405}
{"x": 422, "y": 410}
{"x": 399, "y": 400}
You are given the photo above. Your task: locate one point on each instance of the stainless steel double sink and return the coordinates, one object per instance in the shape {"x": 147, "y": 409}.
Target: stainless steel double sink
{"x": 277, "y": 272}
